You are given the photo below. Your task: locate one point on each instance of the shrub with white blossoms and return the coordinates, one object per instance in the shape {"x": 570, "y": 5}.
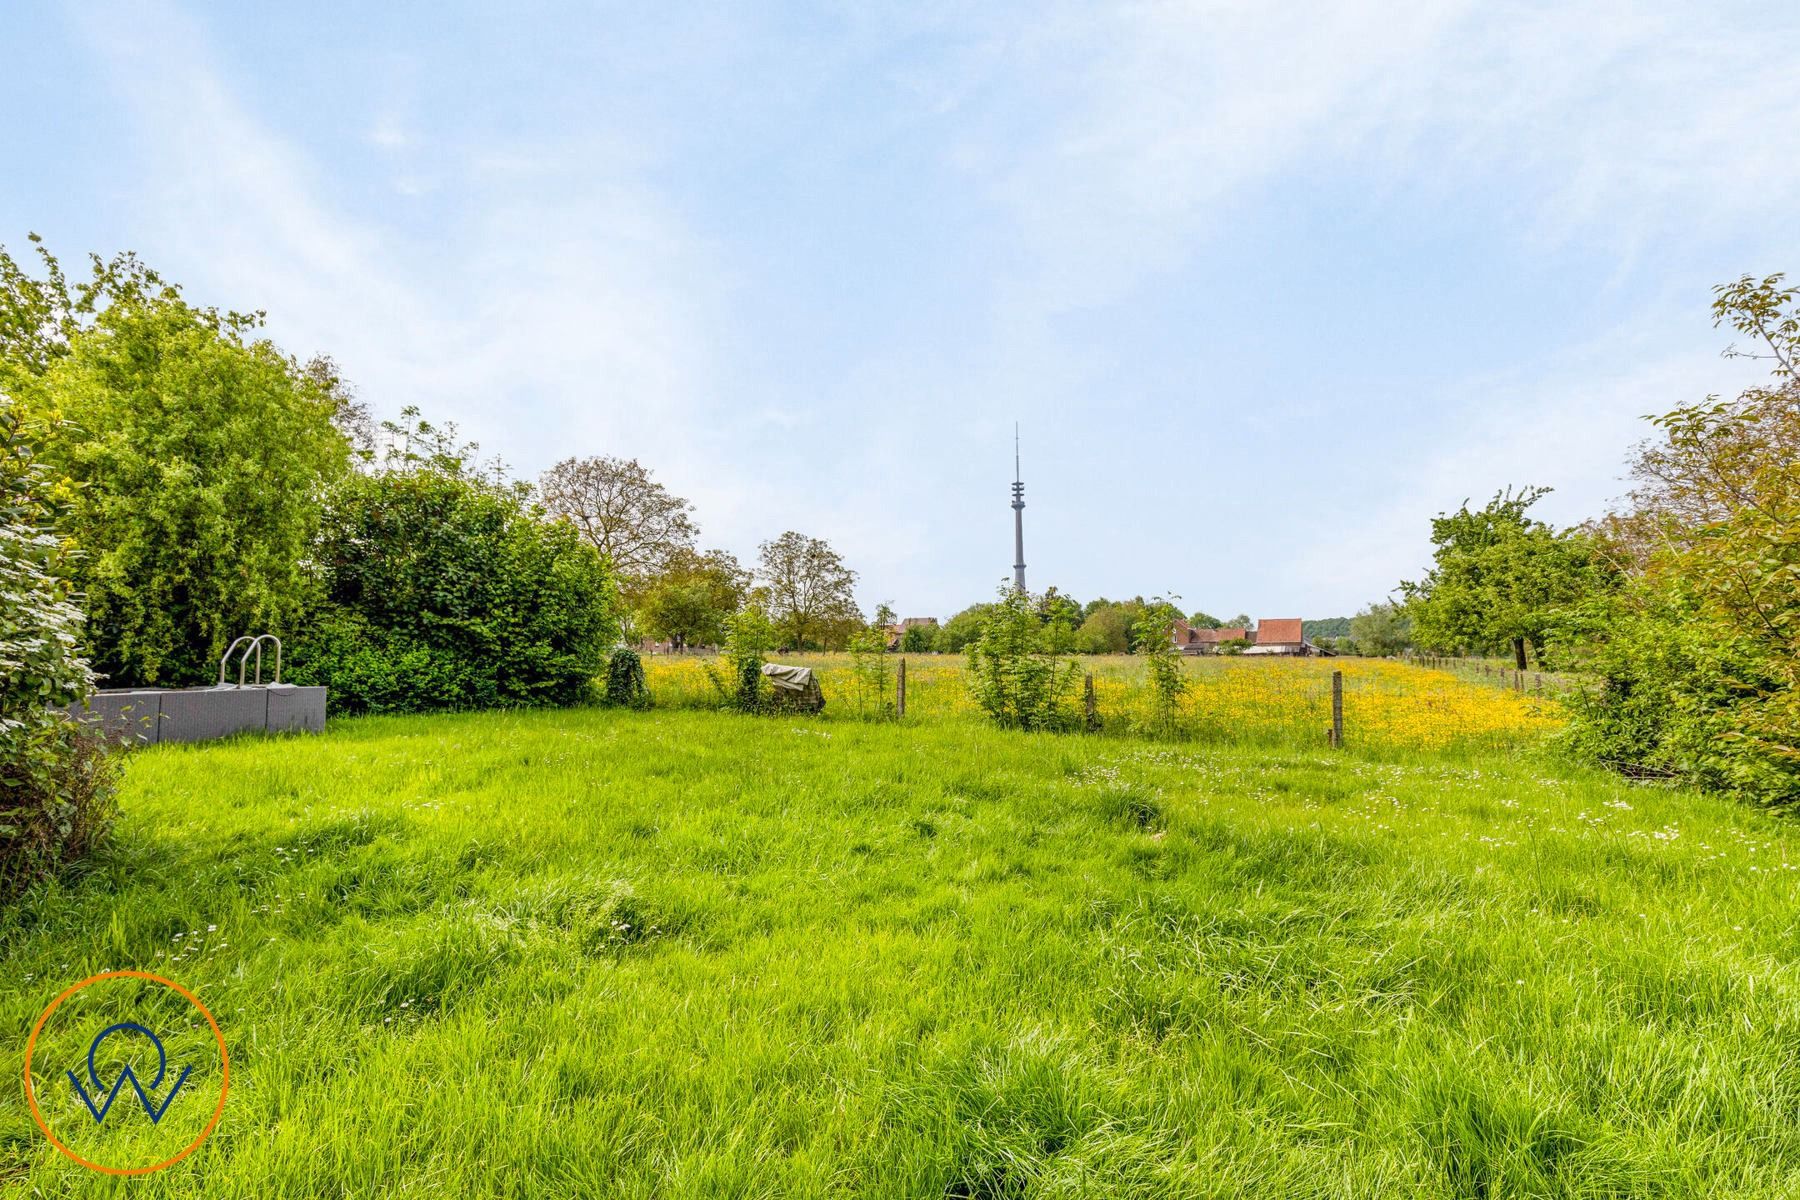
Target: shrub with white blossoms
{"x": 55, "y": 782}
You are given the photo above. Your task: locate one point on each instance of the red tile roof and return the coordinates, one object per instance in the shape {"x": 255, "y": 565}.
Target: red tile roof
{"x": 1279, "y": 631}
{"x": 1213, "y": 637}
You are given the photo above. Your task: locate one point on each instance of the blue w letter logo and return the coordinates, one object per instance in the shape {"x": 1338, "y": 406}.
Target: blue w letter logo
{"x": 162, "y": 1062}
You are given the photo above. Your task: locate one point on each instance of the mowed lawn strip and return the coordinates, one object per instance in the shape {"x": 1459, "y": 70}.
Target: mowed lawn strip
{"x": 695, "y": 954}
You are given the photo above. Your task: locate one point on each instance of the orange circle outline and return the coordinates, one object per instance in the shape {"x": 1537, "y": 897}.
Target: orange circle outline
{"x": 224, "y": 1078}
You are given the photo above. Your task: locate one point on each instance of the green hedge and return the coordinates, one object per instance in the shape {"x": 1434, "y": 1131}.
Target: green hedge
{"x": 445, "y": 591}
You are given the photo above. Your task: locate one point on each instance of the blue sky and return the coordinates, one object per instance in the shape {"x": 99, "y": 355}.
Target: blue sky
{"x": 1266, "y": 285}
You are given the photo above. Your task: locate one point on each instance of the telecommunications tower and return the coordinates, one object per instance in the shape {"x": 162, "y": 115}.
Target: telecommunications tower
{"x": 1018, "y": 507}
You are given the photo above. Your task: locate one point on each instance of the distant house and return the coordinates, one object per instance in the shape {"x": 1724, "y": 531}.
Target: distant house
{"x": 1190, "y": 640}
{"x": 898, "y": 631}
{"x": 1284, "y": 636}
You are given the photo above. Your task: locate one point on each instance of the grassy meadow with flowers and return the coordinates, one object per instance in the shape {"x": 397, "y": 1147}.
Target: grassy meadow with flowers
{"x": 1389, "y": 705}
{"x": 688, "y": 953}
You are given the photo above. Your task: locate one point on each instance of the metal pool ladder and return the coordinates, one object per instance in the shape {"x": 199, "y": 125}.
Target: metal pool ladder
{"x": 249, "y": 644}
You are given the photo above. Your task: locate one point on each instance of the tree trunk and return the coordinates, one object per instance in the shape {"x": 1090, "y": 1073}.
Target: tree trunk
{"x": 1519, "y": 653}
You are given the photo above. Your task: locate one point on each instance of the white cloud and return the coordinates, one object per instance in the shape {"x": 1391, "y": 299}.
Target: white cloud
{"x": 546, "y": 292}
{"x": 1625, "y": 131}
{"x": 1569, "y": 425}
{"x": 564, "y": 311}
{"x": 1616, "y": 122}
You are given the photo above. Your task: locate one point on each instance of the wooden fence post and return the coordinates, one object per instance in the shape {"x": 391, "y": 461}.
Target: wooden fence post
{"x": 1090, "y": 709}
{"x": 900, "y": 691}
{"x": 1337, "y": 708}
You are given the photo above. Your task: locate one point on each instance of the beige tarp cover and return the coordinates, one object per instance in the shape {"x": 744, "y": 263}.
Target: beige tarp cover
{"x": 792, "y": 679}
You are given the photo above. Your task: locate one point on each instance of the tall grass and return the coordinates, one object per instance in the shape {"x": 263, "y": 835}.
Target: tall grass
{"x": 686, "y": 954}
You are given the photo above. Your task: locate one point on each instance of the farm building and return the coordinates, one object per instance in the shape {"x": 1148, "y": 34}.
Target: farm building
{"x": 1190, "y": 640}
{"x": 1284, "y": 636}
{"x": 1272, "y": 636}
{"x": 897, "y": 631}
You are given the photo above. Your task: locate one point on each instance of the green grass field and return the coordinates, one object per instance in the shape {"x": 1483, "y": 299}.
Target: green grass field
{"x": 692, "y": 954}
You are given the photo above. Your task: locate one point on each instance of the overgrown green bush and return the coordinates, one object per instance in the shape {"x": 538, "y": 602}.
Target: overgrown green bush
{"x": 625, "y": 686}
{"x": 1162, "y": 663}
{"x": 871, "y": 675}
{"x": 1695, "y": 662}
{"x": 1663, "y": 689}
{"x": 1014, "y": 679}
{"x": 443, "y": 589}
{"x": 55, "y": 778}
{"x": 749, "y": 635}
{"x": 188, "y": 455}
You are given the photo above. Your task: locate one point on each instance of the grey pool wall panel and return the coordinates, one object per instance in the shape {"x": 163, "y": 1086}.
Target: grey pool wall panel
{"x": 296, "y": 710}
{"x": 134, "y": 716}
{"x": 199, "y": 714}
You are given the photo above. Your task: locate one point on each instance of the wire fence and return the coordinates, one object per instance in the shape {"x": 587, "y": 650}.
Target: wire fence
{"x": 1498, "y": 672}
{"x": 1272, "y": 701}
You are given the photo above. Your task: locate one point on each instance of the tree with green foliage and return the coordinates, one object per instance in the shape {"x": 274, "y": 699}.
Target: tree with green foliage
{"x": 811, "y": 593}
{"x": 1325, "y": 627}
{"x": 690, "y": 601}
{"x": 1693, "y": 667}
{"x": 1107, "y": 630}
{"x": 1054, "y": 606}
{"x": 919, "y": 639}
{"x": 1114, "y": 633}
{"x": 1012, "y": 676}
{"x": 1500, "y": 578}
{"x": 634, "y": 521}
{"x": 192, "y": 458}
{"x": 963, "y": 628}
{"x": 42, "y": 315}
{"x": 200, "y": 468}
{"x": 1382, "y": 630}
{"x": 445, "y": 588}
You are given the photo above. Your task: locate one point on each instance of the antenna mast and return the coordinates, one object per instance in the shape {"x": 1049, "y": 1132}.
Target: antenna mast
{"x": 1018, "y": 507}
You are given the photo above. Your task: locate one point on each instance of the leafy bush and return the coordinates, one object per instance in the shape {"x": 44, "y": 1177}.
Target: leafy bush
{"x": 55, "y": 779}
{"x": 1696, "y": 661}
{"x": 1664, "y": 690}
{"x": 625, "y": 687}
{"x": 1012, "y": 677}
{"x": 1163, "y": 665}
{"x": 749, "y": 634}
{"x": 871, "y": 674}
{"x": 443, "y": 589}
